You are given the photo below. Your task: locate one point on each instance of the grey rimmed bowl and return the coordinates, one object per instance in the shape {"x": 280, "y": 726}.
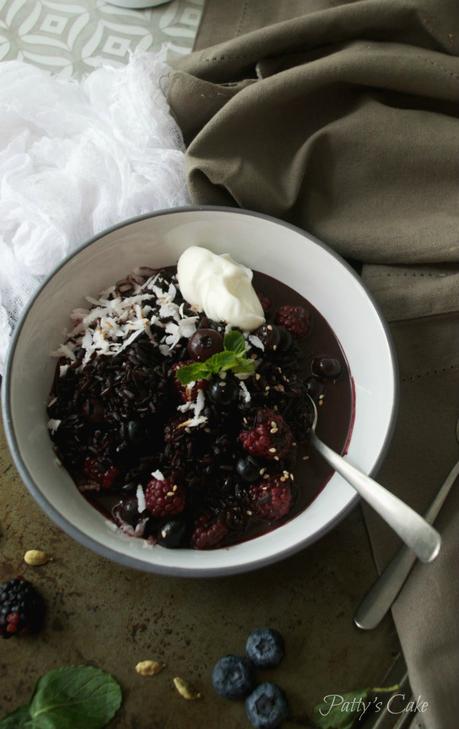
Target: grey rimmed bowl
{"x": 260, "y": 242}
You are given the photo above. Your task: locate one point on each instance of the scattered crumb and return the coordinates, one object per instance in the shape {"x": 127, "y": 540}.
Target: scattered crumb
{"x": 149, "y": 668}
{"x": 35, "y": 558}
{"x": 185, "y": 689}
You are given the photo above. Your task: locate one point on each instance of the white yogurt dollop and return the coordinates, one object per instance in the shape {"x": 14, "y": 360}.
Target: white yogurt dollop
{"x": 219, "y": 287}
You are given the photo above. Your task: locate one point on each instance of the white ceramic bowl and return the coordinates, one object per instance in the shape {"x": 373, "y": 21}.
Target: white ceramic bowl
{"x": 259, "y": 242}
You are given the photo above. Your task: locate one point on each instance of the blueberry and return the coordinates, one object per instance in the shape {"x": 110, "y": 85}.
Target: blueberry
{"x": 135, "y": 432}
{"x": 172, "y": 533}
{"x": 248, "y": 469}
{"x": 204, "y": 343}
{"x": 232, "y": 677}
{"x": 224, "y": 392}
{"x": 265, "y": 647}
{"x": 127, "y": 510}
{"x": 327, "y": 367}
{"x": 266, "y": 707}
{"x": 315, "y": 388}
{"x": 285, "y": 339}
{"x": 269, "y": 335}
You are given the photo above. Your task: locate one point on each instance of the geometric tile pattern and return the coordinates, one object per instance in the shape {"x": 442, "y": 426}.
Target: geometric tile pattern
{"x": 71, "y": 37}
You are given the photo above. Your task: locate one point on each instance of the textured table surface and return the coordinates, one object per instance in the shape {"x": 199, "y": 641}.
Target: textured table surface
{"x": 112, "y": 617}
{"x": 71, "y": 37}
{"x": 102, "y": 614}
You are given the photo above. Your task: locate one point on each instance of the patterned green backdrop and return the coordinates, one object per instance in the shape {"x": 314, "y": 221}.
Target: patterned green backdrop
{"x": 71, "y": 38}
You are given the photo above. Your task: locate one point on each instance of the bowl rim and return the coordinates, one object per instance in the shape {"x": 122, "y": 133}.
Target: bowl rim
{"x": 134, "y": 562}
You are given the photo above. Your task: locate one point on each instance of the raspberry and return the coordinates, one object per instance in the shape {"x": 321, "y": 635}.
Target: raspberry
{"x": 164, "y": 498}
{"x": 295, "y": 319}
{"x": 95, "y": 471}
{"x": 22, "y": 608}
{"x": 270, "y": 437}
{"x": 264, "y": 301}
{"x": 208, "y": 532}
{"x": 271, "y": 499}
{"x": 187, "y": 393}
{"x": 109, "y": 477}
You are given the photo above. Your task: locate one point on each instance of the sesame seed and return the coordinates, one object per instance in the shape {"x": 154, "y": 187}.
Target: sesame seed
{"x": 305, "y": 458}
{"x": 274, "y": 347}
{"x": 248, "y": 512}
{"x": 294, "y": 443}
{"x": 170, "y": 493}
{"x": 262, "y": 471}
{"x": 257, "y": 376}
{"x": 269, "y": 327}
{"x": 276, "y": 458}
{"x": 272, "y": 450}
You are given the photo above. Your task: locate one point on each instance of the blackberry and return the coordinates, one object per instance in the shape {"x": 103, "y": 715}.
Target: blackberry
{"x": 296, "y": 319}
{"x": 208, "y": 532}
{"x": 164, "y": 498}
{"x": 22, "y": 608}
{"x": 268, "y": 437}
{"x": 271, "y": 499}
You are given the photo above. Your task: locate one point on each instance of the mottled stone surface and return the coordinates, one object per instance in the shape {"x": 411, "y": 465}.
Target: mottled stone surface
{"x": 112, "y": 617}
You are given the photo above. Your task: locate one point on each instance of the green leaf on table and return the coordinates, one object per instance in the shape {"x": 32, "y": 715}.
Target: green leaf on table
{"x": 19, "y": 719}
{"x": 234, "y": 342}
{"x": 77, "y": 697}
{"x": 341, "y": 711}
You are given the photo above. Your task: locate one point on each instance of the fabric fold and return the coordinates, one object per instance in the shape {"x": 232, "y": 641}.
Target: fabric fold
{"x": 343, "y": 121}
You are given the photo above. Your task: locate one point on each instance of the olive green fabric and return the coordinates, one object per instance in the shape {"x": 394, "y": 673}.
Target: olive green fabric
{"x": 346, "y": 118}
{"x": 342, "y": 117}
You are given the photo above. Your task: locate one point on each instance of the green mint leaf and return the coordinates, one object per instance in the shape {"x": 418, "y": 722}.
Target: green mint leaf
{"x": 245, "y": 366}
{"x": 234, "y": 342}
{"x": 77, "y": 697}
{"x": 221, "y": 362}
{"x": 193, "y": 372}
{"x": 232, "y": 358}
{"x": 341, "y": 711}
{"x": 19, "y": 719}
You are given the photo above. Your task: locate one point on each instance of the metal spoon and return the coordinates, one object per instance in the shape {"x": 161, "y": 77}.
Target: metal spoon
{"x": 412, "y": 529}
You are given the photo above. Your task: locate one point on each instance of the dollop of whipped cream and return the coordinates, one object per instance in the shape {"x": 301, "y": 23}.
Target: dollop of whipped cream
{"x": 220, "y": 287}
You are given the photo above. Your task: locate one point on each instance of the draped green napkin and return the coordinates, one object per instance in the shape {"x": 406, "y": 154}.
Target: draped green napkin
{"x": 343, "y": 117}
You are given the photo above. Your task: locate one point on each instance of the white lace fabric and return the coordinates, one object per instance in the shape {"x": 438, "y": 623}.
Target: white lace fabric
{"x": 75, "y": 158}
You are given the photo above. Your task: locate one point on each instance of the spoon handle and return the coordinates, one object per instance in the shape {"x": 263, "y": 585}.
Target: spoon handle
{"x": 378, "y": 601}
{"x": 412, "y": 529}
